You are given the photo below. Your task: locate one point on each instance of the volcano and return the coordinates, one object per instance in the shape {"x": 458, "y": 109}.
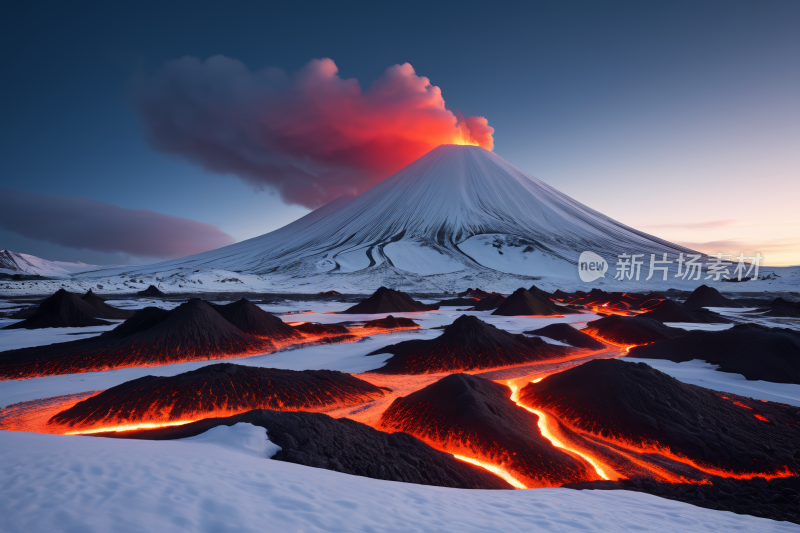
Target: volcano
{"x": 630, "y": 407}
{"x": 524, "y": 303}
{"x": 474, "y": 417}
{"x": 467, "y": 344}
{"x": 630, "y": 330}
{"x": 62, "y": 310}
{"x": 457, "y": 209}
{"x": 151, "y": 291}
{"x": 388, "y": 301}
{"x": 756, "y": 352}
{"x": 223, "y": 389}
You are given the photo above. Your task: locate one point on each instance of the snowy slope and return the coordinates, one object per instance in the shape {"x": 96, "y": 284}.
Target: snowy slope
{"x": 224, "y": 481}
{"x": 16, "y": 263}
{"x": 433, "y": 217}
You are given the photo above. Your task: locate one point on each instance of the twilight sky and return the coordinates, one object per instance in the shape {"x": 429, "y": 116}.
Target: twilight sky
{"x": 198, "y": 124}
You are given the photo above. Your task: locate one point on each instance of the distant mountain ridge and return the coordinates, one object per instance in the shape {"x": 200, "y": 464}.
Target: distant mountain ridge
{"x": 17, "y": 263}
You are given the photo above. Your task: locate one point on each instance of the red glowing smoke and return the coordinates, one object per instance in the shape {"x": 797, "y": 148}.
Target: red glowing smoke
{"x": 310, "y": 135}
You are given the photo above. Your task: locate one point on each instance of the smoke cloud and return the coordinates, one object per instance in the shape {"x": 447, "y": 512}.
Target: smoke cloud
{"x": 309, "y": 135}
{"x": 91, "y": 225}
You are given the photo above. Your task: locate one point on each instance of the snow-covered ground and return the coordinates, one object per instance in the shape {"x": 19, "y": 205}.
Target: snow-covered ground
{"x": 223, "y": 481}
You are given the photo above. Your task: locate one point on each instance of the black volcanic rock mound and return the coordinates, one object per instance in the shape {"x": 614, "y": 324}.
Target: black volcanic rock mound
{"x": 251, "y": 319}
{"x": 61, "y": 310}
{"x": 630, "y": 330}
{"x": 490, "y": 302}
{"x": 221, "y": 388}
{"x": 467, "y": 344}
{"x": 329, "y": 293}
{"x": 476, "y": 293}
{"x": 523, "y": 303}
{"x": 389, "y": 301}
{"x": 342, "y": 445}
{"x": 475, "y": 417}
{"x": 103, "y": 310}
{"x": 783, "y": 308}
{"x": 568, "y": 334}
{"x": 634, "y": 403}
{"x": 671, "y": 311}
{"x": 193, "y": 330}
{"x": 391, "y": 322}
{"x": 705, "y": 296}
{"x": 152, "y": 290}
{"x": 756, "y": 352}
{"x": 313, "y": 328}
{"x": 614, "y": 301}
{"x": 539, "y": 293}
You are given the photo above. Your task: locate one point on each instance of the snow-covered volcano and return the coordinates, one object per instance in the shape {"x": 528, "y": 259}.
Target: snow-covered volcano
{"x": 456, "y": 209}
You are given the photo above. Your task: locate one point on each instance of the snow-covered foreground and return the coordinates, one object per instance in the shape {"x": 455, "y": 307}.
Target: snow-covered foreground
{"x": 223, "y": 481}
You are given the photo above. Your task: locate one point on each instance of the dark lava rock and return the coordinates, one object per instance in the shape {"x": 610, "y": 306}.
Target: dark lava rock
{"x": 475, "y": 417}
{"x": 103, "y": 310}
{"x": 61, "y": 310}
{"x": 490, "y": 302}
{"x": 342, "y": 445}
{"x": 391, "y": 322}
{"x": 389, "y": 301}
{"x": 630, "y": 330}
{"x": 251, "y": 319}
{"x": 621, "y": 301}
{"x": 476, "y": 293}
{"x": 539, "y": 293}
{"x": 467, "y": 344}
{"x": 705, "y": 296}
{"x": 568, "y": 334}
{"x": 152, "y": 290}
{"x": 783, "y": 308}
{"x": 756, "y": 352}
{"x": 313, "y": 328}
{"x": 329, "y": 293}
{"x": 193, "y": 330}
{"x": 776, "y": 501}
{"x": 635, "y": 403}
{"x": 671, "y": 311}
{"x": 223, "y": 388}
{"x": 523, "y": 303}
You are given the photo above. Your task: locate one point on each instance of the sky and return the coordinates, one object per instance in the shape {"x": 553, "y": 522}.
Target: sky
{"x": 681, "y": 119}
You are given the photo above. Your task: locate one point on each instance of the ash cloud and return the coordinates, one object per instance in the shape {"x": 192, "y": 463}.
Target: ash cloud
{"x": 91, "y": 225}
{"x": 311, "y": 135}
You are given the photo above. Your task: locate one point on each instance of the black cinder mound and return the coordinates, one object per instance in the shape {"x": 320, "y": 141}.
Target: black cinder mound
{"x": 705, "y": 296}
{"x": 756, "y": 352}
{"x": 539, "y": 293}
{"x": 671, "y": 311}
{"x": 467, "y": 344}
{"x": 342, "y": 445}
{"x": 568, "y": 334}
{"x": 389, "y": 301}
{"x": 524, "y": 303}
{"x": 476, "y": 293}
{"x": 634, "y": 403}
{"x": 61, "y": 310}
{"x": 313, "y": 328}
{"x": 475, "y": 417}
{"x": 783, "y": 308}
{"x": 152, "y": 290}
{"x": 222, "y": 388}
{"x": 193, "y": 330}
{"x": 489, "y": 303}
{"x": 251, "y": 319}
{"x": 103, "y": 310}
{"x": 630, "y": 330}
{"x": 391, "y": 322}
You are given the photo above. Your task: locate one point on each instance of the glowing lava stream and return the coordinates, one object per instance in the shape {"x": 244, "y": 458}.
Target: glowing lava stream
{"x": 129, "y": 427}
{"x": 494, "y": 469}
{"x": 555, "y": 441}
